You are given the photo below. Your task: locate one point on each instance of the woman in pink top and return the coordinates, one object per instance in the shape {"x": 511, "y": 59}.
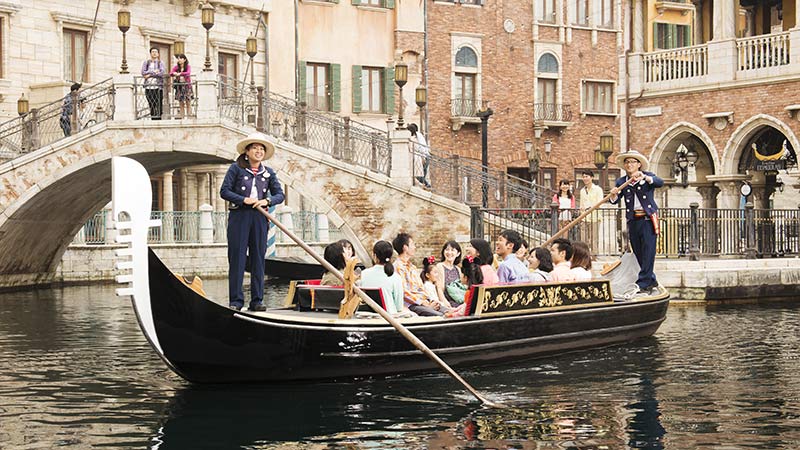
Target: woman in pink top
{"x": 182, "y": 84}
{"x": 479, "y": 248}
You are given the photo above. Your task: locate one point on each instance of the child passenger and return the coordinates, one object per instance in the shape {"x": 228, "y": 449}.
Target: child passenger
{"x": 471, "y": 274}
{"x": 429, "y": 276}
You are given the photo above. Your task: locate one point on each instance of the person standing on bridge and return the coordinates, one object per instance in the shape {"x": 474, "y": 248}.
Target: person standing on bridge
{"x": 641, "y": 212}
{"x": 153, "y": 71}
{"x": 247, "y": 184}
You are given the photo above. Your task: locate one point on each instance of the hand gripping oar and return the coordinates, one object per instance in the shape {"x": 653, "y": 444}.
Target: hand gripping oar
{"x": 383, "y": 313}
{"x": 578, "y": 220}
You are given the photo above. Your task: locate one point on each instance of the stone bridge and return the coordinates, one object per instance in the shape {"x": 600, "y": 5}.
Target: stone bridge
{"x": 47, "y": 195}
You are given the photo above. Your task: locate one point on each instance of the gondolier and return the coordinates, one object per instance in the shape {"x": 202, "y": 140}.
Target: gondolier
{"x": 249, "y": 183}
{"x": 641, "y": 212}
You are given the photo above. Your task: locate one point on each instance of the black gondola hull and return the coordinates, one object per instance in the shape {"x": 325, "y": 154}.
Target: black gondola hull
{"x": 209, "y": 343}
{"x": 292, "y": 268}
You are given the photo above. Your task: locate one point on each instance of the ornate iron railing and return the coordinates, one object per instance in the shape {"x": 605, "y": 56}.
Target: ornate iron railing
{"x": 56, "y": 120}
{"x": 340, "y": 137}
{"x": 552, "y": 112}
{"x": 464, "y": 107}
{"x": 169, "y": 100}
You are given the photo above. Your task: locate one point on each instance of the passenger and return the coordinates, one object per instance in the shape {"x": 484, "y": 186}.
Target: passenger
{"x": 581, "y": 261}
{"x": 428, "y": 276}
{"x": 561, "y": 253}
{"x": 541, "y": 264}
{"x": 350, "y": 253}
{"x": 511, "y": 269}
{"x": 414, "y": 295}
{"x": 522, "y": 253}
{"x": 334, "y": 254}
{"x": 382, "y": 275}
{"x": 471, "y": 274}
{"x": 481, "y": 250}
{"x": 447, "y": 271}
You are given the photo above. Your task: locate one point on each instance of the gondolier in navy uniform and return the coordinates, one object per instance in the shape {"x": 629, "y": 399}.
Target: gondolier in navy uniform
{"x": 249, "y": 183}
{"x": 641, "y": 212}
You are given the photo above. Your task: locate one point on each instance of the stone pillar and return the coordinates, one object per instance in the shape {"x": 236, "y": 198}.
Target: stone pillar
{"x": 191, "y": 192}
{"x": 111, "y": 231}
{"x": 206, "y": 224}
{"x": 724, "y": 21}
{"x": 183, "y": 179}
{"x": 402, "y": 158}
{"x": 124, "y": 103}
{"x": 638, "y": 26}
{"x": 167, "y": 222}
{"x": 722, "y": 53}
{"x": 708, "y": 192}
{"x": 323, "y": 228}
{"x": 286, "y": 220}
{"x": 219, "y": 177}
{"x": 206, "y": 95}
{"x": 728, "y": 185}
{"x": 709, "y": 219}
{"x": 202, "y": 189}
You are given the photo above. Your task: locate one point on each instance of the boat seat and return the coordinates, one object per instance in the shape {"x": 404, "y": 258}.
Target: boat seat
{"x": 308, "y": 297}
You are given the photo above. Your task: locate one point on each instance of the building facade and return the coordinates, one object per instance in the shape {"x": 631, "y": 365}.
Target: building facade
{"x": 547, "y": 69}
{"x": 712, "y": 99}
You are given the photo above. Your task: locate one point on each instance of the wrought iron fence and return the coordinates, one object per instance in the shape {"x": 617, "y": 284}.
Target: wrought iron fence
{"x": 464, "y": 107}
{"x": 340, "y": 137}
{"x": 165, "y": 99}
{"x": 56, "y": 120}
{"x": 552, "y": 112}
{"x": 684, "y": 232}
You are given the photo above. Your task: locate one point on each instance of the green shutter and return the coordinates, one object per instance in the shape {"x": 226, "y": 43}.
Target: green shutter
{"x": 301, "y": 81}
{"x": 388, "y": 4}
{"x": 687, "y": 35}
{"x": 388, "y": 90}
{"x": 673, "y": 35}
{"x": 655, "y": 36}
{"x": 356, "y": 89}
{"x": 355, "y": 2}
{"x": 335, "y": 86}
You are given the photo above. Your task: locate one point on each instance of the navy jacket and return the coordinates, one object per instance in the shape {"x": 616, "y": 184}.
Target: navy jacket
{"x": 643, "y": 190}
{"x": 238, "y": 182}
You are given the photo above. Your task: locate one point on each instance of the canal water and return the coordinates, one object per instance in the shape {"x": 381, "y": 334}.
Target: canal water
{"x": 75, "y": 371}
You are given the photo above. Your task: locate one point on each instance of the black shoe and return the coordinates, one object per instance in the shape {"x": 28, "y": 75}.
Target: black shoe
{"x": 236, "y": 307}
{"x": 258, "y": 307}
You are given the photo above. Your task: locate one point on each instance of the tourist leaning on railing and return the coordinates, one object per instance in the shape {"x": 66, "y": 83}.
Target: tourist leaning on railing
{"x": 66, "y": 111}
{"x": 153, "y": 72}
{"x": 181, "y": 75}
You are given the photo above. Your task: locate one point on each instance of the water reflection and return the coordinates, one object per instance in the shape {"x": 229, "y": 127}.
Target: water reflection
{"x": 76, "y": 371}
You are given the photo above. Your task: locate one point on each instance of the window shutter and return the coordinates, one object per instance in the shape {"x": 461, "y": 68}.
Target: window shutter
{"x": 673, "y": 36}
{"x": 301, "y": 81}
{"x": 655, "y": 37}
{"x": 687, "y": 35}
{"x": 335, "y": 84}
{"x": 356, "y": 89}
{"x": 388, "y": 90}
{"x": 388, "y": 4}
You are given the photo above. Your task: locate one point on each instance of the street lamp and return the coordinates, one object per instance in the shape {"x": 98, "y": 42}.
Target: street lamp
{"x": 484, "y": 116}
{"x": 23, "y": 107}
{"x": 400, "y": 79}
{"x": 252, "y": 51}
{"x": 179, "y": 47}
{"x": 124, "y": 24}
{"x": 601, "y": 155}
{"x": 421, "y": 97}
{"x": 207, "y": 19}
{"x": 680, "y": 166}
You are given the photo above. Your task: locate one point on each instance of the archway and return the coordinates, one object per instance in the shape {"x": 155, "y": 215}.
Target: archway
{"x": 684, "y": 156}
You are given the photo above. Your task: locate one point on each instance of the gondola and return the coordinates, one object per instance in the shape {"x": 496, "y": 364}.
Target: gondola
{"x": 292, "y": 267}
{"x": 206, "y": 342}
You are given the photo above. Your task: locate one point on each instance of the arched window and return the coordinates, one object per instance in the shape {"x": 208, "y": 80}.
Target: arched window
{"x": 466, "y": 57}
{"x": 548, "y": 64}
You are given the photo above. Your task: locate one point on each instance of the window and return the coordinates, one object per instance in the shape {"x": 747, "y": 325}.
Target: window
{"x": 74, "y": 55}
{"x": 466, "y": 57}
{"x": 546, "y": 11}
{"x": 465, "y": 101}
{"x": 670, "y": 35}
{"x": 546, "y": 91}
{"x": 580, "y": 12}
{"x": 606, "y": 13}
{"x": 547, "y": 80}
{"x": 164, "y": 54}
{"x": 317, "y": 90}
{"x": 598, "y": 97}
{"x": 371, "y": 89}
{"x": 227, "y": 66}
{"x": 548, "y": 64}
{"x": 547, "y": 178}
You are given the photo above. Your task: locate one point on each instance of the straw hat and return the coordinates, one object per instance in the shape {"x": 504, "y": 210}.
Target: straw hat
{"x": 632, "y": 154}
{"x": 258, "y": 138}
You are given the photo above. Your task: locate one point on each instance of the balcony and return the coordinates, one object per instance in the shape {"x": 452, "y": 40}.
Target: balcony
{"x": 551, "y": 115}
{"x": 715, "y": 64}
{"x": 463, "y": 111}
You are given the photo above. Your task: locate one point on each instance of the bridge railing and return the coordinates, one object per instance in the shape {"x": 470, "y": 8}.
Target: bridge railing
{"x": 684, "y": 232}
{"x": 340, "y": 137}
{"x": 167, "y": 100}
{"x": 463, "y": 180}
{"x": 56, "y": 120}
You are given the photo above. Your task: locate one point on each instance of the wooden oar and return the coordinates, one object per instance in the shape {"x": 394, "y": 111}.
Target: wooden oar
{"x": 383, "y": 313}
{"x": 578, "y": 220}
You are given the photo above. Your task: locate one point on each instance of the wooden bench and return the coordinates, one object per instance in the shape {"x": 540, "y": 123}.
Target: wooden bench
{"x": 310, "y": 295}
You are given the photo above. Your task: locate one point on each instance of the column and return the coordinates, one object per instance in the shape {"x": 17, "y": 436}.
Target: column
{"x": 401, "y": 158}
{"x": 638, "y": 27}
{"x": 709, "y": 220}
{"x": 724, "y": 20}
{"x": 202, "y": 189}
{"x": 722, "y": 52}
{"x": 323, "y": 228}
{"x": 124, "y": 103}
{"x": 206, "y": 95}
{"x": 219, "y": 177}
{"x": 206, "y": 224}
{"x": 191, "y": 192}
{"x": 184, "y": 179}
{"x": 167, "y": 218}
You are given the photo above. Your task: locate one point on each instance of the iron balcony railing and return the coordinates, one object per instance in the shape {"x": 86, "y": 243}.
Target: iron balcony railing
{"x": 465, "y": 107}
{"x": 340, "y": 137}
{"x": 56, "y": 120}
{"x": 684, "y": 232}
{"x": 552, "y": 112}
{"x": 168, "y": 99}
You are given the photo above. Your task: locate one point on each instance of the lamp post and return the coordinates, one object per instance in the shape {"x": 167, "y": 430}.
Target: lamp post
{"x": 23, "y": 106}
{"x": 421, "y": 97}
{"x": 605, "y": 150}
{"x": 252, "y": 51}
{"x": 207, "y": 19}
{"x": 179, "y": 47}
{"x": 681, "y": 163}
{"x": 484, "y": 115}
{"x": 400, "y": 79}
{"x": 124, "y": 24}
